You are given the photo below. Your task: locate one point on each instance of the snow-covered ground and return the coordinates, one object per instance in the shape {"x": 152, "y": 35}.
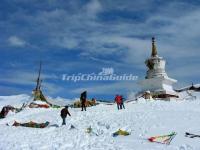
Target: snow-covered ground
{"x": 15, "y": 100}
{"x": 142, "y": 119}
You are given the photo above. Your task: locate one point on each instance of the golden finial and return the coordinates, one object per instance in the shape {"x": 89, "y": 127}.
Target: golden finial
{"x": 154, "y": 51}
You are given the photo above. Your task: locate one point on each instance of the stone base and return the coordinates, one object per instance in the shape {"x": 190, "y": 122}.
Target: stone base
{"x": 160, "y": 87}
{"x": 157, "y": 84}
{"x": 164, "y": 96}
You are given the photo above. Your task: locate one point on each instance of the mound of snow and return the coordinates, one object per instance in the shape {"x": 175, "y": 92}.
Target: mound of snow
{"x": 39, "y": 102}
{"x": 189, "y": 95}
{"x": 15, "y": 100}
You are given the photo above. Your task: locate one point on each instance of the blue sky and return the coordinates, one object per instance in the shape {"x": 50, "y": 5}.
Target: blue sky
{"x": 83, "y": 36}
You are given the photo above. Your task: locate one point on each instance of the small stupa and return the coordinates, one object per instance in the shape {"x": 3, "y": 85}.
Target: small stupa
{"x": 156, "y": 80}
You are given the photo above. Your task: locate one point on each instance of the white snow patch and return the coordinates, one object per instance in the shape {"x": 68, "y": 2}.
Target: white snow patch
{"x": 16, "y": 100}
{"x": 143, "y": 120}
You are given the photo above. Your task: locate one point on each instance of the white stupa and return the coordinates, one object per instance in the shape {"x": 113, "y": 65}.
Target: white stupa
{"x": 156, "y": 80}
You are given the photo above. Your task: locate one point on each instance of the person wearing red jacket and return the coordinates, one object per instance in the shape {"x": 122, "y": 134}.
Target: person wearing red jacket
{"x": 118, "y": 101}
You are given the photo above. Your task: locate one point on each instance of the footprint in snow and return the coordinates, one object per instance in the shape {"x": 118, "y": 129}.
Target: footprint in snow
{"x": 185, "y": 147}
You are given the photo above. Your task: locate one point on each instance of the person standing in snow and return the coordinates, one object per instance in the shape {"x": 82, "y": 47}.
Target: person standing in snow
{"x": 5, "y": 111}
{"x": 118, "y": 101}
{"x": 122, "y": 102}
{"x": 64, "y": 112}
{"x": 83, "y": 99}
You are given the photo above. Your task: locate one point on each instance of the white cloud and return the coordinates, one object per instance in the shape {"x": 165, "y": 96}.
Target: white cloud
{"x": 186, "y": 71}
{"x": 51, "y": 88}
{"x": 135, "y": 48}
{"x": 108, "y": 88}
{"x": 66, "y": 42}
{"x": 25, "y": 78}
{"x": 93, "y": 8}
{"x": 29, "y": 79}
{"x": 16, "y": 41}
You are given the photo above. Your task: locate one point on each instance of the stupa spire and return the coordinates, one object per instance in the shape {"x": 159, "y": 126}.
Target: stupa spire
{"x": 154, "y": 50}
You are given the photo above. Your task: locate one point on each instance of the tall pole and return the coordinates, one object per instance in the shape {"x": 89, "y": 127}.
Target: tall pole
{"x": 38, "y": 79}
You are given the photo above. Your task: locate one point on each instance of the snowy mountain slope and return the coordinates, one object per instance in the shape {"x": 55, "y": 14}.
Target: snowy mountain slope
{"x": 142, "y": 119}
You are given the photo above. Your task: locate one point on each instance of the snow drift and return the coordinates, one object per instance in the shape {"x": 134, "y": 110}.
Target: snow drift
{"x": 142, "y": 120}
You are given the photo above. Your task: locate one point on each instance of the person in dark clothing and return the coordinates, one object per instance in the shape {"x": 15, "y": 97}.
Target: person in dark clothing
{"x": 64, "y": 113}
{"x": 5, "y": 111}
{"x": 83, "y": 99}
{"x": 122, "y": 102}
